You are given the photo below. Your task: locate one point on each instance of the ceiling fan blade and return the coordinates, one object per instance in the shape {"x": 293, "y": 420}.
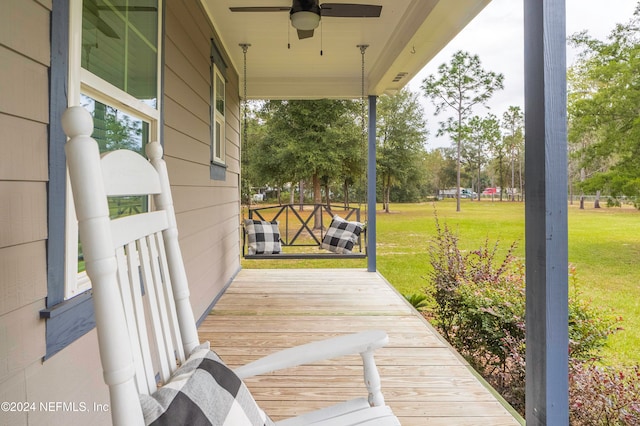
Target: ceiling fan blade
{"x": 350, "y": 10}
{"x": 302, "y": 34}
{"x": 106, "y": 29}
{"x": 260, "y": 9}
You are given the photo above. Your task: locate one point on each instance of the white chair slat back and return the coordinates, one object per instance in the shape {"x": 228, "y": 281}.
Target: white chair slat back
{"x": 139, "y": 321}
{"x": 144, "y": 319}
{"x": 128, "y": 303}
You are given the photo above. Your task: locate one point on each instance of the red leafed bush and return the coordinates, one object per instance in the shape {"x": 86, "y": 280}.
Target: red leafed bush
{"x": 479, "y": 306}
{"x": 603, "y": 395}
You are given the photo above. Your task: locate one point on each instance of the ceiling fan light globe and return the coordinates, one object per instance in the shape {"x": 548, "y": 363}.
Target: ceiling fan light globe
{"x": 305, "y": 20}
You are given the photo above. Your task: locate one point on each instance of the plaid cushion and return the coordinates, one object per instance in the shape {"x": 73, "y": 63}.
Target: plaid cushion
{"x": 341, "y": 235}
{"x": 203, "y": 392}
{"x": 264, "y": 237}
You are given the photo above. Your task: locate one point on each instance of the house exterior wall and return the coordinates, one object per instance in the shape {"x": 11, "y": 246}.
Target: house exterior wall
{"x": 24, "y": 116}
{"x": 207, "y": 210}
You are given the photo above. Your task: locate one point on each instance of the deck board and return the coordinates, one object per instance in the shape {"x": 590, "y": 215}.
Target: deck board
{"x": 423, "y": 379}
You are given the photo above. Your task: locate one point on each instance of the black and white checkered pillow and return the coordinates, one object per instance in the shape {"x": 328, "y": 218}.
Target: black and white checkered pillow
{"x": 264, "y": 237}
{"x": 203, "y": 392}
{"x": 342, "y": 235}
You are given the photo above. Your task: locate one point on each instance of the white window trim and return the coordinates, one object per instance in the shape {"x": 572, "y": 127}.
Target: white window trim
{"x": 80, "y": 82}
{"x": 218, "y": 117}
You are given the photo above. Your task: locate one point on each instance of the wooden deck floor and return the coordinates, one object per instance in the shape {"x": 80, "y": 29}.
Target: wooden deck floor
{"x": 423, "y": 380}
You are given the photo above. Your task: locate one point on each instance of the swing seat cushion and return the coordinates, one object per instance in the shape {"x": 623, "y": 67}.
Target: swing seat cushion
{"x": 203, "y": 391}
{"x": 263, "y": 237}
{"x": 342, "y": 235}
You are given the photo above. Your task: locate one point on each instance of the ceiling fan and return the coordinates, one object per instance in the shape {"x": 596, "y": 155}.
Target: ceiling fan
{"x": 305, "y": 14}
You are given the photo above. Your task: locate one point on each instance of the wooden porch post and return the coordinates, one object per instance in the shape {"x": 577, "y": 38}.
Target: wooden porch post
{"x": 547, "y": 395}
{"x": 371, "y": 187}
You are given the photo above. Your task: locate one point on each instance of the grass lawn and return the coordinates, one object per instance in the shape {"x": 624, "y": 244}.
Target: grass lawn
{"x": 604, "y": 246}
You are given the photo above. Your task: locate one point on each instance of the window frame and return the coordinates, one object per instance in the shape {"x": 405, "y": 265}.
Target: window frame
{"x": 82, "y": 81}
{"x": 217, "y": 117}
{"x": 218, "y": 70}
{"x": 69, "y": 308}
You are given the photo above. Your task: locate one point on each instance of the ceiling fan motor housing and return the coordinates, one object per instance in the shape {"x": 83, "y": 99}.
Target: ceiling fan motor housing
{"x": 305, "y": 15}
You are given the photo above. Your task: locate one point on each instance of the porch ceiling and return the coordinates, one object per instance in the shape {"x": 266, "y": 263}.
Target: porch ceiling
{"x": 407, "y": 35}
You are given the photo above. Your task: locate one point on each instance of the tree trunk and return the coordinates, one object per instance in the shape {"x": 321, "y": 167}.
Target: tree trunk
{"x": 317, "y": 200}
{"x": 582, "y": 202}
{"x": 458, "y": 167}
{"x": 596, "y": 203}
{"x": 291, "y": 194}
{"x": 279, "y": 192}
{"x": 478, "y": 185}
{"x": 301, "y": 195}
{"x": 387, "y": 194}
{"x": 520, "y": 176}
{"x": 346, "y": 193}
{"x": 327, "y": 196}
{"x": 570, "y": 194}
{"x": 513, "y": 176}
{"x": 501, "y": 177}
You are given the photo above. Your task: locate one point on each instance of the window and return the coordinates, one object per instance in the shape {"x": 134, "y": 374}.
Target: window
{"x": 217, "y": 110}
{"x": 113, "y": 129}
{"x": 217, "y": 119}
{"x": 114, "y": 69}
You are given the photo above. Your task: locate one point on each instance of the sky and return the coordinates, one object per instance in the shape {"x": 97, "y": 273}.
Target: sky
{"x": 496, "y": 35}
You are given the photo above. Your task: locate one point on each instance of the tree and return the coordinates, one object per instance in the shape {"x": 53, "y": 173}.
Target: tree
{"x": 460, "y": 86}
{"x": 604, "y": 100}
{"x": 401, "y": 137}
{"x": 482, "y": 134}
{"x": 115, "y": 129}
{"x": 442, "y": 163}
{"x": 513, "y": 124}
{"x": 309, "y": 139}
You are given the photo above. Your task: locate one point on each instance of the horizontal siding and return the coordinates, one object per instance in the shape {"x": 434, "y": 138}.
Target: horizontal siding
{"x": 22, "y": 339}
{"x": 24, "y": 116}
{"x": 207, "y": 210}
{"x": 183, "y": 120}
{"x": 74, "y": 374}
{"x": 187, "y": 71}
{"x": 214, "y": 270}
{"x": 188, "y": 98}
{"x": 23, "y": 275}
{"x": 26, "y": 29}
{"x": 24, "y": 84}
{"x": 23, "y": 145}
{"x": 23, "y": 212}
{"x": 185, "y": 147}
{"x": 187, "y": 37}
{"x": 188, "y": 198}
{"x": 198, "y": 224}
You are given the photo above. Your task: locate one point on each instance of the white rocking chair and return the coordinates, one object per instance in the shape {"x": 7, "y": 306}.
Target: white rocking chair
{"x": 153, "y": 362}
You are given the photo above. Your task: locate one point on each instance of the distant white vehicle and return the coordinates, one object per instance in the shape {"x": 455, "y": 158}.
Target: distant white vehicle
{"x": 452, "y": 192}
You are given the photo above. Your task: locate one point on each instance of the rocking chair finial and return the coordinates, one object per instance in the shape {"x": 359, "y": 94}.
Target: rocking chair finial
{"x": 77, "y": 121}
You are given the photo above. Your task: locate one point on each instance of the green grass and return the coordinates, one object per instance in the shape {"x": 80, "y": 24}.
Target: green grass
{"x": 603, "y": 245}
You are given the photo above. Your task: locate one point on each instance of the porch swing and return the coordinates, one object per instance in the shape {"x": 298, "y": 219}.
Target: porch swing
{"x": 345, "y": 237}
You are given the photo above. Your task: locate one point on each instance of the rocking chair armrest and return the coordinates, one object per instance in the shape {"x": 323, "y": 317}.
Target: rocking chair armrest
{"x": 358, "y": 343}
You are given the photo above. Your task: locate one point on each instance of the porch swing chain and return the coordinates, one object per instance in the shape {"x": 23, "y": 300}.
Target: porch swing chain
{"x": 363, "y": 48}
{"x": 245, "y": 47}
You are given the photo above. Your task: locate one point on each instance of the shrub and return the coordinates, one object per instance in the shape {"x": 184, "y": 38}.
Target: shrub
{"x": 480, "y": 309}
{"x": 603, "y": 395}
